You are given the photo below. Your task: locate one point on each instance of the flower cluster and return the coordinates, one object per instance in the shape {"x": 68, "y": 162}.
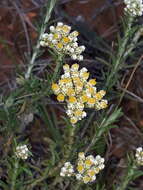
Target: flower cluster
{"x": 67, "y": 170}
{"x": 134, "y": 7}
{"x": 139, "y": 156}
{"x": 79, "y": 92}
{"x": 63, "y": 41}
{"x": 87, "y": 168}
{"x": 22, "y": 152}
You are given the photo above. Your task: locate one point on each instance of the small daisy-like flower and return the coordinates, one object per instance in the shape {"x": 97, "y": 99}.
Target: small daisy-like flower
{"x": 79, "y": 92}
{"x": 134, "y": 7}
{"x": 22, "y": 152}
{"x": 87, "y": 168}
{"x": 63, "y": 41}
{"x": 139, "y": 155}
{"x": 67, "y": 170}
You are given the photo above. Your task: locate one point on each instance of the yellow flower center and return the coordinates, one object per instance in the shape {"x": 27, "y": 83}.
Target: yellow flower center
{"x": 70, "y": 92}
{"x": 88, "y": 162}
{"x": 86, "y": 179}
{"x": 79, "y": 84}
{"x": 66, "y": 40}
{"x": 65, "y": 28}
{"x": 60, "y": 97}
{"x": 85, "y": 75}
{"x": 59, "y": 45}
{"x": 66, "y": 67}
{"x": 78, "y": 113}
{"x": 91, "y": 100}
{"x": 72, "y": 99}
{"x": 76, "y": 79}
{"x": 66, "y": 80}
{"x": 73, "y": 120}
{"x": 98, "y": 96}
{"x": 75, "y": 66}
{"x": 91, "y": 90}
{"x": 61, "y": 81}
{"x": 75, "y": 33}
{"x": 92, "y": 82}
{"x": 55, "y": 87}
{"x": 84, "y": 98}
{"x": 80, "y": 168}
{"x": 91, "y": 173}
{"x": 56, "y": 36}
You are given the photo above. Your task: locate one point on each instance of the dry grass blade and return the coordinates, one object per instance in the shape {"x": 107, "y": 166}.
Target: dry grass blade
{"x": 130, "y": 79}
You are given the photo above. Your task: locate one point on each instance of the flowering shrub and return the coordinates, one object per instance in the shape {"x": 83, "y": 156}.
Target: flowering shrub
{"x": 63, "y": 41}
{"x": 79, "y": 92}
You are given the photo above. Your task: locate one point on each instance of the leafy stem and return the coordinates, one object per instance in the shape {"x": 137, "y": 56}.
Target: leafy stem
{"x": 128, "y": 177}
{"x": 48, "y": 173}
{"x": 14, "y": 174}
{"x": 50, "y": 6}
{"x": 120, "y": 57}
{"x": 105, "y": 125}
{"x": 59, "y": 63}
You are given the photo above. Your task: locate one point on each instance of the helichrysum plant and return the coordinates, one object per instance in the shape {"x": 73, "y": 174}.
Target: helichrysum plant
{"x": 86, "y": 168}
{"x": 79, "y": 92}
{"x": 134, "y": 7}
{"x": 62, "y": 41}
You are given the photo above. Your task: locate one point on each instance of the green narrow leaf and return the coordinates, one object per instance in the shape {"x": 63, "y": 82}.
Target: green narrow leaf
{"x": 113, "y": 117}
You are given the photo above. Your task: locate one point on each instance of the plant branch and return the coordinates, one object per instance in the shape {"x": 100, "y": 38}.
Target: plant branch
{"x": 14, "y": 174}
{"x": 96, "y": 136}
{"x": 50, "y": 6}
{"x": 128, "y": 177}
{"x": 59, "y": 63}
{"x": 61, "y": 163}
{"x": 120, "y": 57}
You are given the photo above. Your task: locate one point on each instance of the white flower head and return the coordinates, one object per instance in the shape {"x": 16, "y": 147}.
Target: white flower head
{"x": 63, "y": 41}
{"x": 59, "y": 24}
{"x": 78, "y": 176}
{"x": 79, "y": 92}
{"x": 88, "y": 167}
{"x": 134, "y": 7}
{"x": 139, "y": 155}
{"x": 22, "y": 152}
{"x": 52, "y": 28}
{"x": 67, "y": 170}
